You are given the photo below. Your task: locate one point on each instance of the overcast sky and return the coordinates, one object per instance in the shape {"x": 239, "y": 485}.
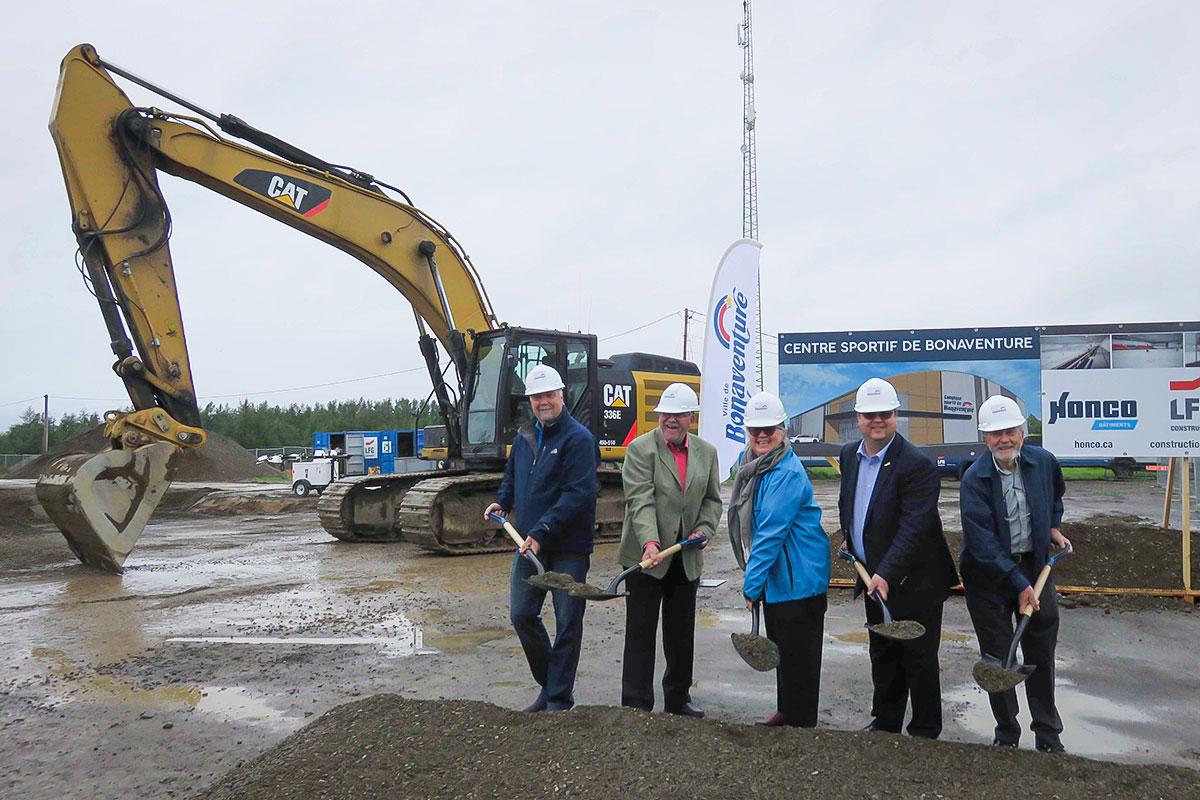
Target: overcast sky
{"x": 920, "y": 165}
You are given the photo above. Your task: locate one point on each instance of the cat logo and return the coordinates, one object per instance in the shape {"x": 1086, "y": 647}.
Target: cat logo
{"x": 308, "y": 199}
{"x": 616, "y": 395}
{"x": 286, "y": 192}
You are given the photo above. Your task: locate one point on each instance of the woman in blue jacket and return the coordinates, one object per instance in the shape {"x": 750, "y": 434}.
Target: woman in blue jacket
{"x": 776, "y": 523}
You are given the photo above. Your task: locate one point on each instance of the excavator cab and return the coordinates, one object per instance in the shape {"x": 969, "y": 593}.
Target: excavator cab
{"x": 496, "y": 407}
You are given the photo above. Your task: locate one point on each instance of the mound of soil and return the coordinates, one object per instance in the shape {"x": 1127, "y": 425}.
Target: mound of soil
{"x": 220, "y": 459}
{"x": 386, "y": 746}
{"x": 1109, "y": 551}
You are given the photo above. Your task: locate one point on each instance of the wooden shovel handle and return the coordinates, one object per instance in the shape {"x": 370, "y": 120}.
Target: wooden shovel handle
{"x": 862, "y": 571}
{"x": 670, "y": 551}
{"x": 512, "y": 532}
{"x": 1043, "y": 576}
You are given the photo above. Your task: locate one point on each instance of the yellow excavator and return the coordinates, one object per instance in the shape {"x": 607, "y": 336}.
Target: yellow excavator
{"x": 111, "y": 152}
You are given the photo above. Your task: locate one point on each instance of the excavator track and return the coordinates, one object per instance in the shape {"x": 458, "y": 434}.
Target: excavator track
{"x": 445, "y": 513}
{"x": 364, "y": 508}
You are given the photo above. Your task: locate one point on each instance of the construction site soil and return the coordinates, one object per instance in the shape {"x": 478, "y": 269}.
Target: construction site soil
{"x": 245, "y": 651}
{"x": 1110, "y": 551}
{"x": 220, "y": 459}
{"x": 387, "y": 746}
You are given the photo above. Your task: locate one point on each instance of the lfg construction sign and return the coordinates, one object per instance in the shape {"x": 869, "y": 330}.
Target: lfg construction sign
{"x": 1096, "y": 391}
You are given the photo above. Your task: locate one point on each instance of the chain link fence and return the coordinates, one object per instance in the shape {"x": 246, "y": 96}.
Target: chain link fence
{"x": 11, "y": 460}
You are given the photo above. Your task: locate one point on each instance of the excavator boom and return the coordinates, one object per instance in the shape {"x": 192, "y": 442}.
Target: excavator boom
{"x": 110, "y": 154}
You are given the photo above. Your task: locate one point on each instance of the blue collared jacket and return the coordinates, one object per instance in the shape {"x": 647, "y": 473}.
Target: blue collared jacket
{"x": 550, "y": 484}
{"x": 789, "y": 557}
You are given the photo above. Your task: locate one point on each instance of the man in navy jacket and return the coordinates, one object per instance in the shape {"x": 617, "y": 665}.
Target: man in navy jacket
{"x": 550, "y": 484}
{"x": 1012, "y": 510}
{"x": 889, "y": 513}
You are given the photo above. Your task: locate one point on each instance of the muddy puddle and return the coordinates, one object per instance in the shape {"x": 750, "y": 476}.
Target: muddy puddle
{"x": 1094, "y": 726}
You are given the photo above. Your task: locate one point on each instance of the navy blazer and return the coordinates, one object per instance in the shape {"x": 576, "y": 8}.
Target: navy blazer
{"x": 902, "y": 534}
{"x": 986, "y": 561}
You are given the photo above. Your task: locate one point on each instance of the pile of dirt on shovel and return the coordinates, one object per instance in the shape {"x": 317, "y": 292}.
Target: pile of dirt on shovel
{"x": 220, "y": 459}
{"x": 386, "y": 746}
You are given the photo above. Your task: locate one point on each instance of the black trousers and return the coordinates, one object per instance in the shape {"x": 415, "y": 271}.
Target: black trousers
{"x": 676, "y": 596}
{"x": 993, "y": 618}
{"x": 904, "y": 670}
{"x": 798, "y": 628}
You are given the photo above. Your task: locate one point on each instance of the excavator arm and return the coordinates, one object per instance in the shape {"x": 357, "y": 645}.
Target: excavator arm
{"x": 111, "y": 153}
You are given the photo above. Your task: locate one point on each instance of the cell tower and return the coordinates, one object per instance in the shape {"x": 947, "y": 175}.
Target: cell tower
{"x": 749, "y": 158}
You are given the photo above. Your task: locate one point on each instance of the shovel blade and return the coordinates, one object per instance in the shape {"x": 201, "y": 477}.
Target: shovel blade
{"x": 551, "y": 581}
{"x": 102, "y": 502}
{"x": 585, "y": 591}
{"x": 993, "y": 677}
{"x": 758, "y": 651}
{"x": 900, "y": 630}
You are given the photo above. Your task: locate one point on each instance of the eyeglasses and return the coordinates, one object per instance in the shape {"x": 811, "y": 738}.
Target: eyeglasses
{"x": 762, "y": 431}
{"x": 884, "y": 415}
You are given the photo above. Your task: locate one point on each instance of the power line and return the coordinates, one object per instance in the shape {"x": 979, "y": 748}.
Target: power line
{"x": 78, "y": 398}
{"x": 18, "y": 402}
{"x": 767, "y": 334}
{"x": 311, "y": 386}
{"x": 640, "y": 327}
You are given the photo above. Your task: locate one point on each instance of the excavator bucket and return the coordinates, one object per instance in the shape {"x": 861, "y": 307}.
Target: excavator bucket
{"x": 102, "y": 502}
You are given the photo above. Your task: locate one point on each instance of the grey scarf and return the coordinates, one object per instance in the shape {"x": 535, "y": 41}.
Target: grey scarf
{"x": 741, "y": 503}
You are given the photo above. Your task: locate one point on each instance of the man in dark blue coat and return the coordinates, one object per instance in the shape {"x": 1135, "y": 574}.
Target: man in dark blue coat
{"x": 1012, "y": 510}
{"x": 550, "y": 484}
{"x": 888, "y": 505}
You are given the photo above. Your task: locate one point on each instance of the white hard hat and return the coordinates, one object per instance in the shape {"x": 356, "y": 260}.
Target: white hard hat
{"x": 876, "y": 395}
{"x": 542, "y": 379}
{"x": 999, "y": 413}
{"x": 764, "y": 410}
{"x": 678, "y": 398}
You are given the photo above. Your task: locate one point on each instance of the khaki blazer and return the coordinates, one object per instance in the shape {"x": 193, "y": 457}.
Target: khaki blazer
{"x": 655, "y": 507}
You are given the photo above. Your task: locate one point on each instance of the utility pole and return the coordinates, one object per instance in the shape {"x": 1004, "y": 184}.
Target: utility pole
{"x": 750, "y": 156}
{"x": 45, "y": 423}
{"x": 686, "y": 313}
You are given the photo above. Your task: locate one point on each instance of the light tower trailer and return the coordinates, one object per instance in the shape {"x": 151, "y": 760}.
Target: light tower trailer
{"x": 316, "y": 473}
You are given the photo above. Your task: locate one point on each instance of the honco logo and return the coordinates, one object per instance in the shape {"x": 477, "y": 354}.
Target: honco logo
{"x": 308, "y": 199}
{"x": 731, "y": 325}
{"x": 1106, "y": 415}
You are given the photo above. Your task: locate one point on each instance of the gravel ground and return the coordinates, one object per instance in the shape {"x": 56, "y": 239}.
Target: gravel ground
{"x": 233, "y": 629}
{"x": 386, "y": 746}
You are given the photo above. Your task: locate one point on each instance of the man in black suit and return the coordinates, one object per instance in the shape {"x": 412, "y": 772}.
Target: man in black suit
{"x": 888, "y": 505}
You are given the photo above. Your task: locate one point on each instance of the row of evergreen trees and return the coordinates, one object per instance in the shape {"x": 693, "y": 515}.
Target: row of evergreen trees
{"x": 249, "y": 425}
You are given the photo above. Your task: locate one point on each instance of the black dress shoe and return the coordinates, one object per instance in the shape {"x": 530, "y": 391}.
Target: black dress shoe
{"x": 1009, "y": 745}
{"x": 537, "y": 705}
{"x": 874, "y": 727}
{"x": 1051, "y": 747}
{"x": 773, "y": 721}
{"x": 686, "y": 710}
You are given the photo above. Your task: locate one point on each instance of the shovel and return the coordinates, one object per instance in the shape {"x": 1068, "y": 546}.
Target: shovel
{"x": 898, "y": 630}
{"x": 994, "y": 676}
{"x": 585, "y": 591}
{"x": 543, "y": 579}
{"x": 758, "y": 651}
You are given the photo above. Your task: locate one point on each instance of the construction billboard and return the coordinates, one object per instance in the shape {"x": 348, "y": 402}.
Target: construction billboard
{"x": 1093, "y": 391}
{"x": 1121, "y": 390}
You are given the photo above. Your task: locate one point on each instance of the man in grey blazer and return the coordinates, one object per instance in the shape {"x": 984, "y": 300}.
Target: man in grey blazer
{"x": 672, "y": 493}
